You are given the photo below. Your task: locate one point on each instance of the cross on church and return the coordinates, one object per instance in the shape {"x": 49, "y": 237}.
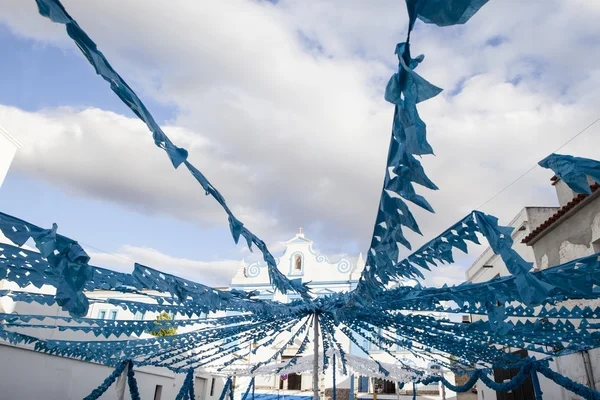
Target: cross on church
{"x": 300, "y": 231}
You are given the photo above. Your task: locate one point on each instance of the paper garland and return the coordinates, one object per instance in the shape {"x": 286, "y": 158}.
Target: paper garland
{"x": 372, "y": 312}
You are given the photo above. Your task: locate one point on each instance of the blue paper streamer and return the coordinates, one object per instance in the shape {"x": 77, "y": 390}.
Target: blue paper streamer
{"x": 574, "y": 171}
{"x": 54, "y": 10}
{"x": 372, "y": 311}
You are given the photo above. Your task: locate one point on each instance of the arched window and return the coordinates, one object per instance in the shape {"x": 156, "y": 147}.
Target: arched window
{"x": 297, "y": 263}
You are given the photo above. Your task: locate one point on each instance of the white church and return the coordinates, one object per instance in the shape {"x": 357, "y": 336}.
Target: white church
{"x": 324, "y": 276}
{"x": 300, "y": 260}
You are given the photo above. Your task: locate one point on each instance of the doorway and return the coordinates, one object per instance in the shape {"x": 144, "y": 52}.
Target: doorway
{"x": 523, "y": 392}
{"x": 384, "y": 386}
{"x": 200, "y": 388}
{"x": 157, "y": 392}
{"x": 294, "y": 382}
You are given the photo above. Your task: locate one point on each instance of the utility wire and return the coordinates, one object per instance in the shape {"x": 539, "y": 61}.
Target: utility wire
{"x": 535, "y": 165}
{"x": 477, "y": 208}
{"x": 107, "y": 252}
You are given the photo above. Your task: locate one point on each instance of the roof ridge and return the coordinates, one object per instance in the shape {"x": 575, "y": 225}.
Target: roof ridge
{"x": 558, "y": 214}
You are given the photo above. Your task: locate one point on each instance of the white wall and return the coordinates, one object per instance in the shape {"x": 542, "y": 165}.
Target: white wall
{"x": 524, "y": 222}
{"x": 550, "y": 390}
{"x": 575, "y": 235}
{"x": 27, "y": 374}
{"x": 326, "y": 276}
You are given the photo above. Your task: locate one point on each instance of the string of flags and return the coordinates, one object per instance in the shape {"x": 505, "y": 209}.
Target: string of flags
{"x": 523, "y": 310}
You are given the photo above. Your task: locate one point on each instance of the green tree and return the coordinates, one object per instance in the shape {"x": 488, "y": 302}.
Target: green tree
{"x": 163, "y": 329}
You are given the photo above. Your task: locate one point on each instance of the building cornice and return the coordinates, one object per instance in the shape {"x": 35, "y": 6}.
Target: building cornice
{"x": 578, "y": 202}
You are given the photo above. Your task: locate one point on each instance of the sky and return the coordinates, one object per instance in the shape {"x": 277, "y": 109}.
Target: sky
{"x": 281, "y": 106}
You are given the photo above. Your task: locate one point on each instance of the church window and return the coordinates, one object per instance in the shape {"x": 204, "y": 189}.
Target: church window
{"x": 297, "y": 263}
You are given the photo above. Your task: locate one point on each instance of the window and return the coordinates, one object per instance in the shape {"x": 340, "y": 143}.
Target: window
{"x": 139, "y": 315}
{"x": 101, "y": 314}
{"x": 366, "y": 344}
{"x": 113, "y": 314}
{"x": 297, "y": 263}
{"x": 212, "y": 387}
{"x": 157, "y": 392}
{"x": 363, "y": 384}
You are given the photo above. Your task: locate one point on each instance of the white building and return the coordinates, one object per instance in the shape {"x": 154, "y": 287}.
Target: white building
{"x": 549, "y": 236}
{"x": 299, "y": 260}
{"x": 572, "y": 232}
{"x": 489, "y": 265}
{"x": 324, "y": 277}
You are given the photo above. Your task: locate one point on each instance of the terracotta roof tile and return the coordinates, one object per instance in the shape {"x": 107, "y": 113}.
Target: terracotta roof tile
{"x": 561, "y": 211}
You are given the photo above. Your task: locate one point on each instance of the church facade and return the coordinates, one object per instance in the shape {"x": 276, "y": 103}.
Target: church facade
{"x": 325, "y": 276}
{"x": 299, "y": 260}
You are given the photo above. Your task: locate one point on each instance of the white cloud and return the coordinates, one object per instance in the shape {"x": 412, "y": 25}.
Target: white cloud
{"x": 453, "y": 274}
{"x": 281, "y": 107}
{"x": 446, "y": 274}
{"x": 112, "y": 157}
{"x": 214, "y": 273}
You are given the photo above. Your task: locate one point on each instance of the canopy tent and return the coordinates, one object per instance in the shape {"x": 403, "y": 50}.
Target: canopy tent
{"x": 524, "y": 310}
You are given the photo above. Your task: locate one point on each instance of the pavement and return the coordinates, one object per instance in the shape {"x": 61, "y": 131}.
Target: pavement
{"x": 307, "y": 395}
{"x": 460, "y": 396}
{"x": 404, "y": 397}
{"x": 298, "y": 395}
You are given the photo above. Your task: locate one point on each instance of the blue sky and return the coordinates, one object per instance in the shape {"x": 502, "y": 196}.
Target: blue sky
{"x": 280, "y": 105}
{"x": 44, "y": 76}
{"x": 106, "y": 225}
